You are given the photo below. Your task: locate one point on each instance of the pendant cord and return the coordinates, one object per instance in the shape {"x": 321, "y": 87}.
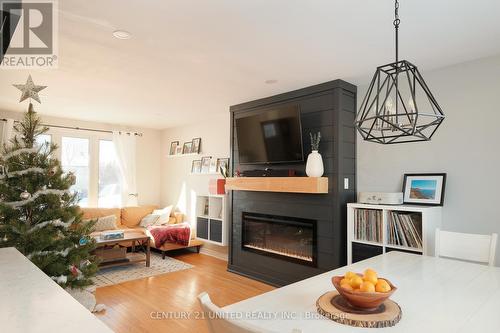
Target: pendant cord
{"x": 396, "y": 23}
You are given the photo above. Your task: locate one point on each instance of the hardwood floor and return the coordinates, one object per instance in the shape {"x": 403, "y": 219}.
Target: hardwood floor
{"x": 134, "y": 306}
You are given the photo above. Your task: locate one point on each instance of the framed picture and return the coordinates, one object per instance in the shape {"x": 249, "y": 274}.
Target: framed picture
{"x": 205, "y": 164}
{"x": 173, "y": 147}
{"x": 222, "y": 162}
{"x": 195, "y": 148}
{"x": 424, "y": 189}
{"x": 187, "y": 147}
{"x": 196, "y": 166}
{"x": 213, "y": 166}
{"x": 178, "y": 150}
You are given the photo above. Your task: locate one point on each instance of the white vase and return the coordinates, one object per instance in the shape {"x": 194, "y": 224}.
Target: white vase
{"x": 314, "y": 165}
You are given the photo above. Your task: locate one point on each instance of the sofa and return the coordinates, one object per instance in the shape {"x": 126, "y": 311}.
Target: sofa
{"x": 129, "y": 218}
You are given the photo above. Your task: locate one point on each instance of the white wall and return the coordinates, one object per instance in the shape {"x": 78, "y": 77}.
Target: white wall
{"x": 178, "y": 186}
{"x": 466, "y": 147}
{"x": 148, "y": 152}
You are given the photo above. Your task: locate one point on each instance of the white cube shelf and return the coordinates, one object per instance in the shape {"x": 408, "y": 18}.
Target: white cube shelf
{"x": 430, "y": 217}
{"x": 211, "y": 219}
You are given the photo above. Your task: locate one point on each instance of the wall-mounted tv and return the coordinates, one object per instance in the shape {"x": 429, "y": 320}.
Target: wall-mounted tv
{"x": 270, "y": 135}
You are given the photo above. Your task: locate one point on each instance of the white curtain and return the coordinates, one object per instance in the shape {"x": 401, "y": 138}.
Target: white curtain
{"x": 125, "y": 145}
{"x": 7, "y": 131}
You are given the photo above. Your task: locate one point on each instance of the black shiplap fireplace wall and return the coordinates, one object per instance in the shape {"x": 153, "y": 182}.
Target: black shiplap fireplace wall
{"x": 330, "y": 108}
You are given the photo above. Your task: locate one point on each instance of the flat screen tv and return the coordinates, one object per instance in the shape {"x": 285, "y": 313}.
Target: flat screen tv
{"x": 270, "y": 136}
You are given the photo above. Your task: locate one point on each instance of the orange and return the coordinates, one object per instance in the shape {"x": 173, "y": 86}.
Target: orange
{"x": 356, "y": 281}
{"x": 370, "y": 276}
{"x": 345, "y": 281}
{"x": 382, "y": 286}
{"x": 346, "y": 286}
{"x": 367, "y": 287}
{"x": 370, "y": 271}
{"x": 350, "y": 275}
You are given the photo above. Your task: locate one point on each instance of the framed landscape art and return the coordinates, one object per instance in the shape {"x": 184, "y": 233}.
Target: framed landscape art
{"x": 424, "y": 189}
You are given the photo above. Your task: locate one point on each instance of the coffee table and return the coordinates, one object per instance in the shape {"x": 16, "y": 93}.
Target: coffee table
{"x": 111, "y": 256}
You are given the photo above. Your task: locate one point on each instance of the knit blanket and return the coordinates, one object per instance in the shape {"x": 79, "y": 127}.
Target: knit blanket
{"x": 173, "y": 233}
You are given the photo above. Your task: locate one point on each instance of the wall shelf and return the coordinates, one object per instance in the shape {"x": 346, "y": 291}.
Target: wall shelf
{"x": 313, "y": 185}
{"x": 205, "y": 174}
{"x": 183, "y": 155}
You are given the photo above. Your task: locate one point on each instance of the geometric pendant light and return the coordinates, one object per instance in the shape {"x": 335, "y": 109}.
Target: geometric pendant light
{"x": 399, "y": 106}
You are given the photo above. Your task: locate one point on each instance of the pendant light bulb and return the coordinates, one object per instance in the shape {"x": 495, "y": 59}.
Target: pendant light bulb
{"x": 389, "y": 105}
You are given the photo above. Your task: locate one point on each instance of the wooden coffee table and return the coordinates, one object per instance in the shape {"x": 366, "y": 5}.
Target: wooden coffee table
{"x": 112, "y": 256}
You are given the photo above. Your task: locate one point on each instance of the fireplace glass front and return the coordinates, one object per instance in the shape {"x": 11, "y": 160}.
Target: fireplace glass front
{"x": 288, "y": 238}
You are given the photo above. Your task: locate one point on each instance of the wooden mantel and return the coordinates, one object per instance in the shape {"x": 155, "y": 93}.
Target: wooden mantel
{"x": 311, "y": 185}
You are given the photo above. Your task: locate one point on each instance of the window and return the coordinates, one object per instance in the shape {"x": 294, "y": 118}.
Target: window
{"x": 43, "y": 140}
{"x": 110, "y": 189}
{"x": 75, "y": 158}
{"x": 92, "y": 158}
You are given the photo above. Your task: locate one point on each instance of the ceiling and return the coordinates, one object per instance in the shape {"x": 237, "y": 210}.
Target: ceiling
{"x": 189, "y": 60}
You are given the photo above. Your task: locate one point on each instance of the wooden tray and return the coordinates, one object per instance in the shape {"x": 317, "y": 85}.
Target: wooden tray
{"x": 335, "y": 307}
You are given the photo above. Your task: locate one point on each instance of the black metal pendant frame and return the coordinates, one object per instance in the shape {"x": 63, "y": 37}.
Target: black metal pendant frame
{"x": 407, "y": 121}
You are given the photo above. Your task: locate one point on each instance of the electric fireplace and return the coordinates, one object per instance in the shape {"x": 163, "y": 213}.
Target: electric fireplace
{"x": 287, "y": 238}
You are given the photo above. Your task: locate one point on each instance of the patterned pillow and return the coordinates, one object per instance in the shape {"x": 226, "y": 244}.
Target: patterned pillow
{"x": 149, "y": 219}
{"x": 164, "y": 215}
{"x": 105, "y": 223}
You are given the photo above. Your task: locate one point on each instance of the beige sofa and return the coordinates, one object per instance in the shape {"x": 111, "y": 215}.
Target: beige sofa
{"x": 129, "y": 218}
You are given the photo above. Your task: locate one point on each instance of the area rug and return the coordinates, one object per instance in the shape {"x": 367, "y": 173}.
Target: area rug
{"x": 119, "y": 274}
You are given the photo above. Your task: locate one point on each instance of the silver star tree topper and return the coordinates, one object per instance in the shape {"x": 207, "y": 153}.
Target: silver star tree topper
{"x": 30, "y": 90}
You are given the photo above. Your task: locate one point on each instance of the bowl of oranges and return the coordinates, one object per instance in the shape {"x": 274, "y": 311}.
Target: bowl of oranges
{"x": 366, "y": 291}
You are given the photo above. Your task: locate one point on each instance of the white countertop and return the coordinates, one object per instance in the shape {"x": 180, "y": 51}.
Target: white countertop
{"x": 31, "y": 302}
{"x": 435, "y": 295}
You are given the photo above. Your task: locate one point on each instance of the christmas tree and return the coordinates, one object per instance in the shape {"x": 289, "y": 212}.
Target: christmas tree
{"x": 38, "y": 212}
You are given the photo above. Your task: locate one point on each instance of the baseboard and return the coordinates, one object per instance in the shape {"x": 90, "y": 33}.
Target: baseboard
{"x": 213, "y": 253}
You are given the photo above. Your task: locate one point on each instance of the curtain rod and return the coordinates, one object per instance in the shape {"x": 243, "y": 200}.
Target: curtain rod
{"x": 84, "y": 129}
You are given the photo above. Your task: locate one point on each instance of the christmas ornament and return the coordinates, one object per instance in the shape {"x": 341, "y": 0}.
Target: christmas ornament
{"x": 4, "y": 170}
{"x": 83, "y": 241}
{"x": 52, "y": 171}
{"x": 29, "y": 90}
{"x": 25, "y": 195}
{"x": 84, "y": 263}
{"x": 72, "y": 178}
{"x": 74, "y": 270}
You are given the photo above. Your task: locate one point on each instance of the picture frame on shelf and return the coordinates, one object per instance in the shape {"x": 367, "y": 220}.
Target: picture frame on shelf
{"x": 178, "y": 150}
{"x": 186, "y": 149}
{"x": 424, "y": 189}
{"x": 213, "y": 166}
{"x": 205, "y": 208}
{"x": 222, "y": 162}
{"x": 205, "y": 164}
{"x": 173, "y": 147}
{"x": 196, "y": 166}
{"x": 196, "y": 146}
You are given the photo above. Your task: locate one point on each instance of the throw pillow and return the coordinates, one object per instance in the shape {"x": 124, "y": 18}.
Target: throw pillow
{"x": 105, "y": 223}
{"x": 164, "y": 215}
{"x": 148, "y": 220}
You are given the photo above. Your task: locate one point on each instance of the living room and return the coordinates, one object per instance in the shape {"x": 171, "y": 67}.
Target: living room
{"x": 249, "y": 166}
